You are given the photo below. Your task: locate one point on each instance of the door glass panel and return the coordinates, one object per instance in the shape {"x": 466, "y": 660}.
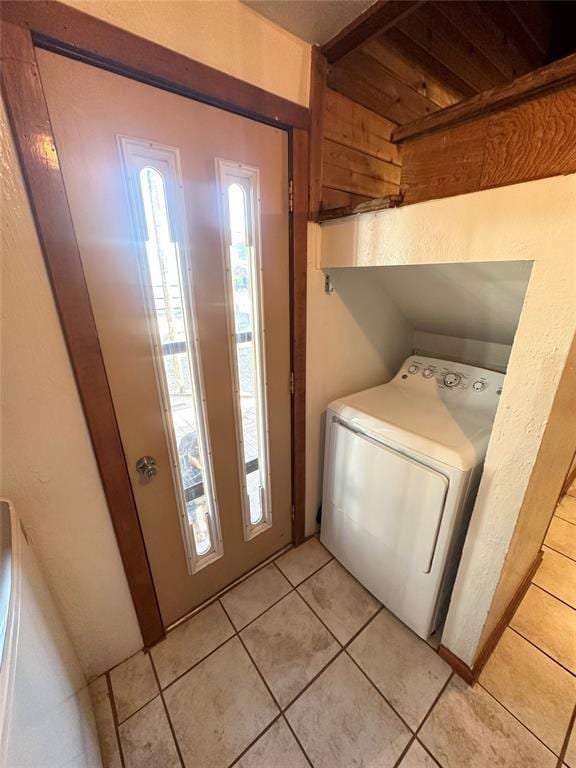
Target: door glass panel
{"x": 169, "y": 310}
{"x": 243, "y": 268}
{"x": 169, "y": 302}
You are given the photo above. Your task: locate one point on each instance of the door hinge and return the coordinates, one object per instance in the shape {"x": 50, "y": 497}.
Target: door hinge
{"x": 291, "y": 196}
{"x": 291, "y": 382}
{"x": 292, "y": 513}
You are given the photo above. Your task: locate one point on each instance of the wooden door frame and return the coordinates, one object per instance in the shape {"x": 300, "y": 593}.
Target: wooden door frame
{"x": 27, "y": 24}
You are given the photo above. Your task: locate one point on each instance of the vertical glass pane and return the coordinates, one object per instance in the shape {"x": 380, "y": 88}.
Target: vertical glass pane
{"x": 170, "y": 316}
{"x": 246, "y": 308}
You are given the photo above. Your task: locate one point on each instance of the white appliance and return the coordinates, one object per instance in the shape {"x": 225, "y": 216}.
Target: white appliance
{"x": 46, "y": 717}
{"x": 402, "y": 466}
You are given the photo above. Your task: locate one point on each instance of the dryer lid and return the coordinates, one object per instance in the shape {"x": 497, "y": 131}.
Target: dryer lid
{"x": 433, "y": 407}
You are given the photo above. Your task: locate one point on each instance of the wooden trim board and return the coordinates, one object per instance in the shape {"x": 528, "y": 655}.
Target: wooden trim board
{"x": 78, "y": 35}
{"x": 460, "y": 667}
{"x": 28, "y": 114}
{"x": 471, "y": 674}
{"x": 560, "y": 74}
{"x": 299, "y": 262}
{"x": 379, "y": 17}
{"x": 570, "y": 478}
{"x": 533, "y": 139}
{"x": 378, "y": 204}
{"x": 98, "y": 42}
{"x": 318, "y": 72}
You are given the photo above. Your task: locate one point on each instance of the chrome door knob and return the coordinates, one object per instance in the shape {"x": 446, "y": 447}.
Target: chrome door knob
{"x": 146, "y": 466}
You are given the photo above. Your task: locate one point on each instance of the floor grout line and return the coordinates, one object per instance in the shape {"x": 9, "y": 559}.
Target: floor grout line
{"x": 342, "y": 648}
{"x": 282, "y": 711}
{"x": 233, "y": 626}
{"x": 293, "y": 732}
{"x": 534, "y": 645}
{"x": 290, "y": 703}
{"x": 417, "y": 731}
{"x": 313, "y": 573}
{"x": 260, "y": 735}
{"x": 363, "y": 627}
{"x": 255, "y": 618}
{"x": 559, "y": 552}
{"x": 425, "y": 748}
{"x": 365, "y": 674}
{"x": 564, "y": 519}
{"x": 321, "y": 620}
{"x": 512, "y": 714}
{"x": 196, "y": 663}
{"x": 140, "y": 708}
{"x": 551, "y": 595}
{"x": 170, "y": 724}
{"x": 560, "y": 600}
{"x": 243, "y": 644}
{"x": 546, "y": 546}
{"x": 241, "y": 579}
{"x": 115, "y": 717}
{"x": 567, "y": 737}
{"x": 216, "y": 598}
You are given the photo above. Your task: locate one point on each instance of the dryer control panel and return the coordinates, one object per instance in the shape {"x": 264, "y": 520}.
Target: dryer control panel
{"x": 468, "y": 384}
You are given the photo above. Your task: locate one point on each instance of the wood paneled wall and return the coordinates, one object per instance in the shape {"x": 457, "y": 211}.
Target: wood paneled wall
{"x": 411, "y": 64}
{"x": 531, "y": 140}
{"x": 358, "y": 160}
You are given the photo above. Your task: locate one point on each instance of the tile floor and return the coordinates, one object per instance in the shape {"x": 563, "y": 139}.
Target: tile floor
{"x": 299, "y": 666}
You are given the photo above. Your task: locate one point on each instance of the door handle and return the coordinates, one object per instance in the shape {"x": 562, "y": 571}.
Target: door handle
{"x": 146, "y": 466}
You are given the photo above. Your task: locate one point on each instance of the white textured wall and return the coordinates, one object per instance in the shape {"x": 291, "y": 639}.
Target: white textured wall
{"x": 356, "y": 338}
{"x": 485, "y": 354}
{"x": 48, "y": 465}
{"x": 532, "y": 221}
{"x": 479, "y": 301}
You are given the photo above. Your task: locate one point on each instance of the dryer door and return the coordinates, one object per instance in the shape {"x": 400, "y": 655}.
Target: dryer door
{"x": 388, "y": 498}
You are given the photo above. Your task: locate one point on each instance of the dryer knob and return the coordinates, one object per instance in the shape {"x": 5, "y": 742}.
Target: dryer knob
{"x": 452, "y": 379}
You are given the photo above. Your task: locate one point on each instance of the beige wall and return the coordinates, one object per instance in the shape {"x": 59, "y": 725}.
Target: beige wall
{"x": 356, "y": 338}
{"x": 48, "y": 465}
{"x": 531, "y": 221}
{"x": 225, "y": 34}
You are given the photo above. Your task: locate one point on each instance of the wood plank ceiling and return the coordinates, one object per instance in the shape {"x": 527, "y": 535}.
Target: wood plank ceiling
{"x": 418, "y": 58}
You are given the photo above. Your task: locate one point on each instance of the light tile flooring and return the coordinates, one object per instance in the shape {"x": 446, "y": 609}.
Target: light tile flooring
{"x": 299, "y": 666}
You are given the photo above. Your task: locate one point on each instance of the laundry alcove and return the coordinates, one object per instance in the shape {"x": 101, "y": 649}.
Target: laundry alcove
{"x": 487, "y": 278}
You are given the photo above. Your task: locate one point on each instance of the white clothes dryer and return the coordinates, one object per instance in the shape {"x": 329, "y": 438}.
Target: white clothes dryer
{"x": 402, "y": 466}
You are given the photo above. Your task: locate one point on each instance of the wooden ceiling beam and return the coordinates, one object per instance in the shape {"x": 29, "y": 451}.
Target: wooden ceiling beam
{"x": 504, "y": 17}
{"x": 428, "y": 63}
{"x": 481, "y": 31}
{"x": 364, "y": 80}
{"x": 433, "y": 32}
{"x": 369, "y": 96}
{"x": 535, "y": 19}
{"x": 558, "y": 75}
{"x": 383, "y": 15}
{"x": 396, "y": 61}
{"x": 363, "y": 66}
